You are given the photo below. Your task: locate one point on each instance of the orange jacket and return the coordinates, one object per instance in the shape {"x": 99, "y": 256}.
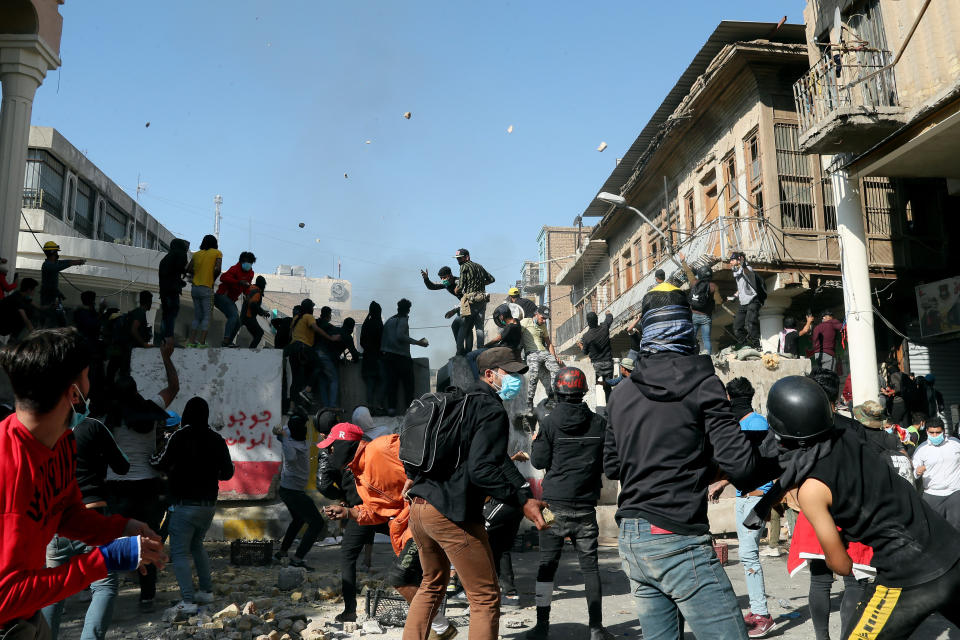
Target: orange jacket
{"x": 380, "y": 478}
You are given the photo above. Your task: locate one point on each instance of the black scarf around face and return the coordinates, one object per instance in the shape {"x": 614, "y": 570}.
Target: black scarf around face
{"x": 797, "y": 465}
{"x": 343, "y": 453}
{"x": 741, "y": 407}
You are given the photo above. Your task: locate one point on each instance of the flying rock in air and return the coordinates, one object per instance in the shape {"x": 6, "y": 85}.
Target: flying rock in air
{"x": 407, "y": 115}
{"x": 510, "y": 129}
{"x": 301, "y": 225}
{"x": 147, "y": 125}
{"x": 603, "y": 145}
{"x": 345, "y": 176}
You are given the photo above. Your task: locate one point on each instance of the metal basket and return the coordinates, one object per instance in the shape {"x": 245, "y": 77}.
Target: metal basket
{"x": 388, "y": 608}
{"x": 251, "y": 552}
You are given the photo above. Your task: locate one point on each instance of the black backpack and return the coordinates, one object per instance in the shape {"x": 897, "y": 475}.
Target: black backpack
{"x": 761, "y": 288}
{"x": 431, "y": 435}
{"x": 700, "y": 298}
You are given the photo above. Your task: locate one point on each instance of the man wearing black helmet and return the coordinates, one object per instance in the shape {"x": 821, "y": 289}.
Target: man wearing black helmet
{"x": 569, "y": 448}
{"x": 449, "y": 282}
{"x": 844, "y": 484}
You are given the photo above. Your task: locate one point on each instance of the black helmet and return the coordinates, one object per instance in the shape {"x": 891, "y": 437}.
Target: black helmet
{"x": 501, "y": 313}
{"x": 570, "y": 382}
{"x": 704, "y": 273}
{"x": 799, "y": 411}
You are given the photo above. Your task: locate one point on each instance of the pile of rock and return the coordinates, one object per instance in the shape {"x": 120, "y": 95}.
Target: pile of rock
{"x": 284, "y": 614}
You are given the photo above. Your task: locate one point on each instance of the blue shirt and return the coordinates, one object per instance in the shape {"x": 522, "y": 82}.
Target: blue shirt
{"x": 754, "y": 422}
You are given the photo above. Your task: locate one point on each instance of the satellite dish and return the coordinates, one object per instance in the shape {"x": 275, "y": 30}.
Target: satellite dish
{"x": 836, "y": 30}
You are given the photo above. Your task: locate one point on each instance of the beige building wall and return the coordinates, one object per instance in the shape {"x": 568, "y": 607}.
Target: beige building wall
{"x": 559, "y": 243}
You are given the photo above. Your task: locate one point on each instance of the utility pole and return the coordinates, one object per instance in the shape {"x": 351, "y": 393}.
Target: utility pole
{"x": 854, "y": 267}
{"x": 217, "y": 201}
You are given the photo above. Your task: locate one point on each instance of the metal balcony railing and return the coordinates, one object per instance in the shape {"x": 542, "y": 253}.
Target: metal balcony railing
{"x": 711, "y": 243}
{"x": 570, "y": 329}
{"x": 845, "y": 81}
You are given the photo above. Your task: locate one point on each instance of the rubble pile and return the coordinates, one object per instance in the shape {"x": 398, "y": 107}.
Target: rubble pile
{"x": 262, "y": 603}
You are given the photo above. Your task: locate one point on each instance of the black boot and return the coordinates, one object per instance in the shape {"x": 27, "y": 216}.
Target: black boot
{"x": 599, "y": 633}
{"x": 542, "y": 630}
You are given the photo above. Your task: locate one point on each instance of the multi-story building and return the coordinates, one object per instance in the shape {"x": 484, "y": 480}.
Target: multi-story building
{"x": 557, "y": 247}
{"x": 719, "y": 168}
{"x": 68, "y": 199}
{"x": 883, "y": 95}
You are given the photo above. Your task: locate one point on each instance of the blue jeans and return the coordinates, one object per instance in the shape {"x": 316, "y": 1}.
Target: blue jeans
{"x": 749, "y": 541}
{"x": 670, "y": 572}
{"x": 229, "y": 310}
{"x": 104, "y": 592}
{"x": 703, "y": 324}
{"x": 202, "y": 307}
{"x": 329, "y": 379}
{"x": 188, "y": 527}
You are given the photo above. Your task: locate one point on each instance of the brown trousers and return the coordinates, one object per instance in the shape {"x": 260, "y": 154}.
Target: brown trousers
{"x": 465, "y": 545}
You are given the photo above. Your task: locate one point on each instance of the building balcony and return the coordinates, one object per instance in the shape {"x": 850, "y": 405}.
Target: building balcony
{"x": 591, "y": 254}
{"x": 847, "y": 102}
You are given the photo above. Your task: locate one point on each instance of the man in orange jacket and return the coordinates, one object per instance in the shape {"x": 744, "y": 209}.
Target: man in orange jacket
{"x": 380, "y": 478}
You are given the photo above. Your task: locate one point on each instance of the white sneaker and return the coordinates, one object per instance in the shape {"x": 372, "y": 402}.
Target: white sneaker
{"x": 203, "y": 597}
{"x": 187, "y": 607}
{"x": 770, "y": 552}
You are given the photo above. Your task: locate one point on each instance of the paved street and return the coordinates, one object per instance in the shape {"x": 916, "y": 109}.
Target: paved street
{"x": 787, "y": 599}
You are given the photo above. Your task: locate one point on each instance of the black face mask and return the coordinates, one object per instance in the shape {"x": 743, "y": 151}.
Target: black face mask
{"x": 343, "y": 453}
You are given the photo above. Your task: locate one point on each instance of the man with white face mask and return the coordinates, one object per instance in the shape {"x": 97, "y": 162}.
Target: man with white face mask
{"x": 937, "y": 462}
{"x": 446, "y": 514}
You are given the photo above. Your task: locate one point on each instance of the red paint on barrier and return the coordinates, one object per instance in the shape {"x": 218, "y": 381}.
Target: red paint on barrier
{"x": 250, "y": 480}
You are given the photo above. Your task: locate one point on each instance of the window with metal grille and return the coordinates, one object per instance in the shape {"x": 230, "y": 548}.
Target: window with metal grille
{"x": 139, "y": 236}
{"x": 829, "y": 208}
{"x": 794, "y": 178}
{"x": 83, "y": 209}
{"x": 879, "y": 203}
{"x": 751, "y": 154}
{"x": 43, "y": 183}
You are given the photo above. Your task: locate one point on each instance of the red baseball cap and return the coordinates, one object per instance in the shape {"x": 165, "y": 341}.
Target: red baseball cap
{"x": 342, "y": 431}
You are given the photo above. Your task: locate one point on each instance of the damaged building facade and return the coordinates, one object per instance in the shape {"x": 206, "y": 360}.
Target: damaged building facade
{"x": 720, "y": 167}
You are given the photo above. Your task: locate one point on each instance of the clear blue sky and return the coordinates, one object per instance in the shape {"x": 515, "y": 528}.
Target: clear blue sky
{"x": 270, "y": 103}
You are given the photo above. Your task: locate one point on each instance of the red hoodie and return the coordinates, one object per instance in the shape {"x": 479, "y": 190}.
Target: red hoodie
{"x": 39, "y": 496}
{"x": 235, "y": 281}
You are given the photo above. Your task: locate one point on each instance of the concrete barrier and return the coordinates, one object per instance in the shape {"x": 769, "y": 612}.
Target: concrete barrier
{"x": 242, "y": 387}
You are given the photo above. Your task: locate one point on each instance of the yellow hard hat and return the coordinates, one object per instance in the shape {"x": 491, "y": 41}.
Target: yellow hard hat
{"x": 513, "y": 291}
{"x": 50, "y": 245}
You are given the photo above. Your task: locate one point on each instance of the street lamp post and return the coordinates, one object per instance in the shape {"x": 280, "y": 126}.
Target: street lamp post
{"x": 621, "y": 202}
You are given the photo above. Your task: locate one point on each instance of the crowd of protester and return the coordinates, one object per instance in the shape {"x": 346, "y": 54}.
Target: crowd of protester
{"x": 97, "y": 477}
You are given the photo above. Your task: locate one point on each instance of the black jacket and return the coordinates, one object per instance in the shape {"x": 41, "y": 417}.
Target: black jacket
{"x": 486, "y": 471}
{"x": 669, "y": 427}
{"x": 569, "y": 447}
{"x": 596, "y": 342}
{"x": 96, "y": 450}
{"x": 195, "y": 459}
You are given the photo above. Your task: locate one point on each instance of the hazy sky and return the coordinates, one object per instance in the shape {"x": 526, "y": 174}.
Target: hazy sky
{"x": 271, "y": 103}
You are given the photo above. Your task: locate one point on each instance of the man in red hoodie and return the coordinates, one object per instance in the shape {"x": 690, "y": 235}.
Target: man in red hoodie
{"x": 233, "y": 282}
{"x": 39, "y": 495}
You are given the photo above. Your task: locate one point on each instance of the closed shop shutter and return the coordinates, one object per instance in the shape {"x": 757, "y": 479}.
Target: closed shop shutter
{"x": 943, "y": 361}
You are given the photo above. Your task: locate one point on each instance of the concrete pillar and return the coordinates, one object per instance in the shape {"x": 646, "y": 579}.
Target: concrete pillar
{"x": 771, "y": 323}
{"x": 854, "y": 266}
{"x": 24, "y": 61}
